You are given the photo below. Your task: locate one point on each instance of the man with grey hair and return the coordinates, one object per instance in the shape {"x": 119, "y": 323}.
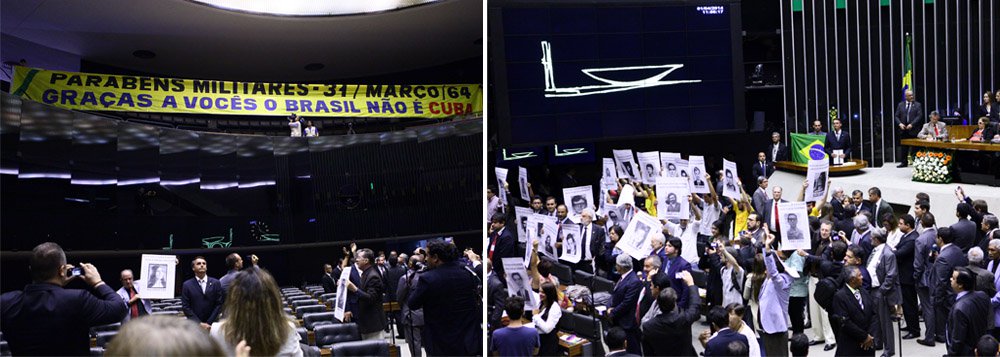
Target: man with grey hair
{"x": 624, "y": 298}
{"x": 129, "y": 293}
{"x": 934, "y": 129}
{"x": 908, "y": 118}
{"x": 837, "y": 201}
{"x": 592, "y": 241}
{"x": 771, "y": 213}
{"x": 991, "y": 227}
{"x": 984, "y": 278}
{"x": 862, "y": 234}
{"x": 776, "y": 150}
{"x": 659, "y": 243}
{"x": 370, "y": 318}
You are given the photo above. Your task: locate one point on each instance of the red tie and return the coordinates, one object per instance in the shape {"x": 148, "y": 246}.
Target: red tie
{"x": 935, "y": 132}
{"x": 777, "y": 218}
{"x": 638, "y": 319}
{"x": 135, "y": 307}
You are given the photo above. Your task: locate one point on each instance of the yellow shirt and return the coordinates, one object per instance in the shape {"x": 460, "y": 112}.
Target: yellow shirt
{"x": 741, "y": 218}
{"x": 650, "y": 198}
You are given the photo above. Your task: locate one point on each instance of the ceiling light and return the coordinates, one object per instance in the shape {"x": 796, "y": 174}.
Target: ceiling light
{"x": 312, "y": 7}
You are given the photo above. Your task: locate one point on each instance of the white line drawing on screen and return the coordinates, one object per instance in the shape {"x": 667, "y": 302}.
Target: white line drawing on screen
{"x": 612, "y": 85}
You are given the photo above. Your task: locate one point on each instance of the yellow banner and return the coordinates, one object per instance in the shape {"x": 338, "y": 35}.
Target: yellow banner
{"x": 103, "y": 92}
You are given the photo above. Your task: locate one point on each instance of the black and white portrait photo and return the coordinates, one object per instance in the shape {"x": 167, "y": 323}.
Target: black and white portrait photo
{"x": 157, "y": 277}
{"x": 650, "y": 171}
{"x": 794, "y": 233}
{"x": 641, "y": 231}
{"x": 627, "y": 167}
{"x": 570, "y": 244}
{"x": 730, "y": 181}
{"x": 579, "y": 204}
{"x": 671, "y": 203}
{"x": 819, "y": 185}
{"x": 698, "y": 180}
{"x": 672, "y": 170}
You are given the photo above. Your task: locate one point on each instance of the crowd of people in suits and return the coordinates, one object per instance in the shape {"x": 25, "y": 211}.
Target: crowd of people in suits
{"x": 868, "y": 268}
{"x": 244, "y": 310}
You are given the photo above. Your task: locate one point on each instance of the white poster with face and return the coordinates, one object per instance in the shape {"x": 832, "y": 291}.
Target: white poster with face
{"x": 650, "y": 164}
{"x": 635, "y": 241}
{"x": 158, "y": 276}
{"x": 547, "y": 234}
{"x": 501, "y": 178}
{"x": 817, "y": 175}
{"x": 794, "y": 225}
{"x": 522, "y": 183}
{"x": 519, "y": 282}
{"x": 609, "y": 174}
{"x": 577, "y": 199}
{"x": 528, "y": 246}
{"x": 626, "y": 165}
{"x": 611, "y": 214}
{"x": 626, "y": 213}
{"x": 729, "y": 175}
{"x": 571, "y": 243}
{"x": 340, "y": 305}
{"x": 671, "y": 194}
{"x": 668, "y": 161}
{"x": 522, "y": 213}
{"x": 682, "y": 167}
{"x": 697, "y": 167}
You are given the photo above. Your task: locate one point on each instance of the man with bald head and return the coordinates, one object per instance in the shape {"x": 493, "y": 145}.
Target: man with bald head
{"x": 137, "y": 306}
{"x": 234, "y": 263}
{"x": 908, "y": 120}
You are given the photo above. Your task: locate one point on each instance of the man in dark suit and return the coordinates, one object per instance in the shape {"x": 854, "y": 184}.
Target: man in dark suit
{"x": 328, "y": 281}
{"x": 674, "y": 264}
{"x": 760, "y": 196}
{"x": 964, "y": 230}
{"x": 970, "y": 317}
{"x": 413, "y": 319}
{"x": 721, "y": 334}
{"x": 880, "y": 207}
{"x": 984, "y": 278}
{"x": 905, "y": 250}
{"x": 593, "y": 240}
{"x": 860, "y": 204}
{"x": 391, "y": 278}
{"x": 449, "y": 293}
{"x": 923, "y": 269}
{"x": 951, "y": 256}
{"x": 369, "y": 315}
{"x": 885, "y": 290}
{"x": 837, "y": 201}
{"x": 501, "y": 242}
{"x": 762, "y": 167}
{"x": 776, "y": 150}
{"x": 855, "y": 308}
{"x": 615, "y": 340}
{"x": 623, "y": 302}
{"x": 669, "y": 333}
{"x": 909, "y": 118}
{"x": 496, "y": 293}
{"x": 837, "y": 139}
{"x": 202, "y": 295}
{"x": 45, "y": 318}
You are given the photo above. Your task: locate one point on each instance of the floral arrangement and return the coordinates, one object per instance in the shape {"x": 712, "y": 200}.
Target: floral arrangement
{"x": 932, "y": 166}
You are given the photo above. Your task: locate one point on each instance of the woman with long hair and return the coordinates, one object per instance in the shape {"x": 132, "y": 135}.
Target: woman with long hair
{"x": 989, "y": 107}
{"x": 546, "y": 317}
{"x": 253, "y": 312}
{"x": 752, "y": 287}
{"x": 893, "y": 235}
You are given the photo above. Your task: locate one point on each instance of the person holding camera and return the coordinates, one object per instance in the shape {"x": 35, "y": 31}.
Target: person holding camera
{"x": 449, "y": 294}
{"x": 46, "y": 319}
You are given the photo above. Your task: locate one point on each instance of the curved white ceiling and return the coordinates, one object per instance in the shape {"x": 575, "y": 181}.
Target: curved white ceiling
{"x": 197, "y": 41}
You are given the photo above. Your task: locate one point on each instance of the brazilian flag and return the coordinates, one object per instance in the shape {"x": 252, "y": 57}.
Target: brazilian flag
{"x": 907, "y": 67}
{"x": 807, "y": 147}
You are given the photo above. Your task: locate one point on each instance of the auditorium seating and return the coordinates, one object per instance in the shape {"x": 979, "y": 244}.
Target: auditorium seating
{"x": 110, "y": 327}
{"x": 96, "y": 351}
{"x": 327, "y": 297}
{"x": 360, "y": 348}
{"x": 302, "y": 310}
{"x": 103, "y": 337}
{"x": 602, "y": 284}
{"x": 327, "y": 335}
{"x": 583, "y": 278}
{"x": 310, "y": 351}
{"x": 303, "y": 334}
{"x": 311, "y": 320}
{"x": 306, "y": 302}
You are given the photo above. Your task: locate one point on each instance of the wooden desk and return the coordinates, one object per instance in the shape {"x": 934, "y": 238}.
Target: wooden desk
{"x": 393, "y": 351}
{"x": 962, "y": 145}
{"x": 834, "y": 169}
{"x": 572, "y": 349}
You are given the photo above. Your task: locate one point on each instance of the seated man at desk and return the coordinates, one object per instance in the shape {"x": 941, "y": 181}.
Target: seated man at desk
{"x": 934, "y": 129}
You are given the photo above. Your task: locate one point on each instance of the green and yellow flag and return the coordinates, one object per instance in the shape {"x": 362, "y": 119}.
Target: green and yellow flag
{"x": 907, "y": 67}
{"x": 807, "y": 147}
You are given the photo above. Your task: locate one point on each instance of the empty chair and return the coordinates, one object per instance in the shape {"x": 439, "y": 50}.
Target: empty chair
{"x": 104, "y": 337}
{"x": 302, "y": 310}
{"x": 602, "y": 284}
{"x": 303, "y": 334}
{"x": 587, "y": 327}
{"x": 327, "y": 297}
{"x": 109, "y": 327}
{"x": 299, "y": 303}
{"x": 313, "y": 319}
{"x": 327, "y": 335}
{"x": 310, "y": 351}
{"x": 288, "y": 310}
{"x": 297, "y": 298}
{"x": 566, "y": 322}
{"x": 361, "y": 348}
{"x": 583, "y": 278}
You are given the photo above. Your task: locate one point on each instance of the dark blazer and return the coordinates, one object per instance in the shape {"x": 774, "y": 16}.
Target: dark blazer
{"x": 765, "y": 171}
{"x": 844, "y": 143}
{"x": 984, "y": 280}
{"x": 623, "y": 300}
{"x": 503, "y": 247}
{"x": 408, "y": 316}
{"x": 968, "y": 320}
{"x": 759, "y": 200}
{"x": 202, "y": 307}
{"x": 768, "y": 211}
{"x": 329, "y": 283}
{"x": 838, "y": 208}
{"x": 391, "y": 279}
{"x": 949, "y": 258}
{"x": 888, "y": 276}
{"x": 453, "y": 314}
{"x": 904, "y": 257}
{"x": 965, "y": 234}
{"x": 497, "y": 296}
{"x": 988, "y": 132}
{"x": 45, "y": 319}
{"x": 678, "y": 265}
{"x": 622, "y": 354}
{"x": 782, "y": 152}
{"x": 669, "y": 333}
{"x": 914, "y": 117}
{"x": 923, "y": 266}
{"x": 352, "y": 297}
{"x": 993, "y": 113}
{"x": 597, "y": 236}
{"x": 858, "y": 323}
{"x": 718, "y": 345}
{"x": 370, "y": 317}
